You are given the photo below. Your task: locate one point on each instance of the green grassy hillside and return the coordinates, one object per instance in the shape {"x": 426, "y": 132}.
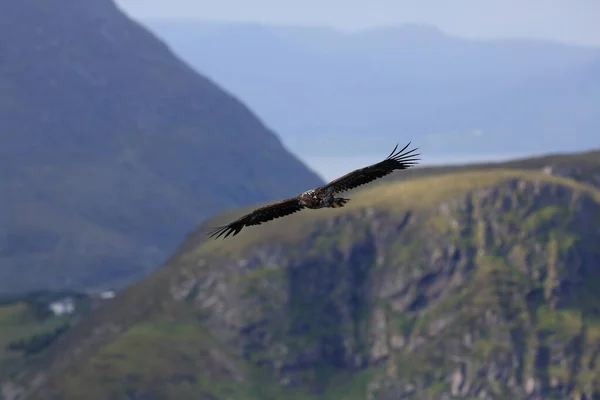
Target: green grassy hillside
{"x": 28, "y": 326}
{"x": 583, "y": 167}
{"x": 475, "y": 284}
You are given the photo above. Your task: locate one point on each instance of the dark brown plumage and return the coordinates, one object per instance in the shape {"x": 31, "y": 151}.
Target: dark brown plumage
{"x": 263, "y": 214}
{"x": 361, "y": 176}
{"x": 321, "y": 197}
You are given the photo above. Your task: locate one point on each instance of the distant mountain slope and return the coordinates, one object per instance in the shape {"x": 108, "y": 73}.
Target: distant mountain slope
{"x": 473, "y": 284}
{"x": 459, "y": 96}
{"x": 112, "y": 149}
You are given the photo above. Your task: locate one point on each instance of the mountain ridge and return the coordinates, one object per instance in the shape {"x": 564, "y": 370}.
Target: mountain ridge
{"x": 111, "y": 148}
{"x": 442, "y": 89}
{"x": 362, "y": 295}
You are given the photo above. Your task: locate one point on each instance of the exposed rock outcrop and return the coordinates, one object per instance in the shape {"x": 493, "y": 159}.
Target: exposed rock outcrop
{"x": 465, "y": 286}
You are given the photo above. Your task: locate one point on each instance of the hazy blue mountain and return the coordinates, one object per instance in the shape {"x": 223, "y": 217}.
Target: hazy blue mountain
{"x": 398, "y": 83}
{"x": 112, "y": 149}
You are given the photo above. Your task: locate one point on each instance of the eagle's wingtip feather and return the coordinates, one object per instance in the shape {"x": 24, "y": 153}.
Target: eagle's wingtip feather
{"x": 216, "y": 231}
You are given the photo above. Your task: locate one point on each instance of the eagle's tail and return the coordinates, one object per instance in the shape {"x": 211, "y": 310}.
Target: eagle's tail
{"x": 338, "y": 202}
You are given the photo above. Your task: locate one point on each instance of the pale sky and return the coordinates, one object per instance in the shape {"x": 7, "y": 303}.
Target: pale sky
{"x": 572, "y": 21}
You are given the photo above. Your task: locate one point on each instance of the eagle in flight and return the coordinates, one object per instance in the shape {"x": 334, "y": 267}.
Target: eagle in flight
{"x": 321, "y": 197}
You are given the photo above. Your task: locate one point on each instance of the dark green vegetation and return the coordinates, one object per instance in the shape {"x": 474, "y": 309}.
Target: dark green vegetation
{"x": 476, "y": 284}
{"x": 38, "y": 342}
{"x": 28, "y": 326}
{"x": 112, "y": 149}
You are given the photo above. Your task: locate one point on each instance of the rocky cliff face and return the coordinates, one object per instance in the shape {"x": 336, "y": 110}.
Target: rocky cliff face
{"x": 472, "y": 285}
{"x": 112, "y": 149}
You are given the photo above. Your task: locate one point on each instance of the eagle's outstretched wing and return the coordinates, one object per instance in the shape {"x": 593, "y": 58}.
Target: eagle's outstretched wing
{"x": 395, "y": 161}
{"x": 263, "y": 214}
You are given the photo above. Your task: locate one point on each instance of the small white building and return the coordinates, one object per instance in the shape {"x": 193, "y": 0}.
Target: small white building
{"x": 108, "y": 294}
{"x": 63, "y": 306}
